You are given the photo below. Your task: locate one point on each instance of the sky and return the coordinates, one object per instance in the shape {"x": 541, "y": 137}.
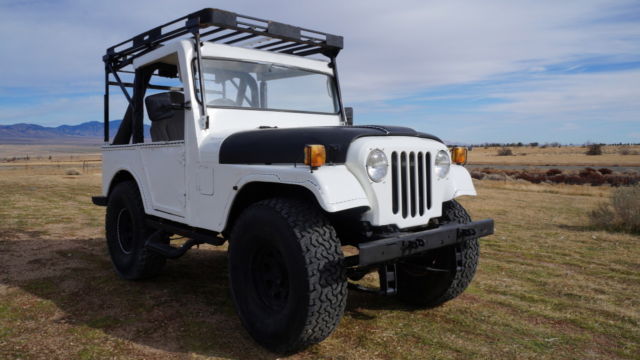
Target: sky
{"x": 467, "y": 71}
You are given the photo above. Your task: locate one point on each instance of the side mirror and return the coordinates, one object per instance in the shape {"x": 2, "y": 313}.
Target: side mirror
{"x": 348, "y": 112}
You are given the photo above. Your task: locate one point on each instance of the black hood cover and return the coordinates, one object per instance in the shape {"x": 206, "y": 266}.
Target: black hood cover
{"x": 277, "y": 146}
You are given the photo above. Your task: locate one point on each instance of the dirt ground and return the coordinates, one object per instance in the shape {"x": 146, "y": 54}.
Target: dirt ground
{"x": 548, "y": 287}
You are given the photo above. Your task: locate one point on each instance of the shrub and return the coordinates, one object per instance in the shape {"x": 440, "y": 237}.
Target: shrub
{"x": 505, "y": 152}
{"x": 628, "y": 151}
{"x": 605, "y": 171}
{"x": 558, "y": 179}
{"x": 496, "y": 177}
{"x": 573, "y": 180}
{"x": 587, "y": 172}
{"x": 477, "y": 175}
{"x": 594, "y": 149}
{"x": 622, "y": 180}
{"x": 622, "y": 213}
{"x": 596, "y": 179}
{"x": 534, "y": 178}
{"x": 552, "y": 172}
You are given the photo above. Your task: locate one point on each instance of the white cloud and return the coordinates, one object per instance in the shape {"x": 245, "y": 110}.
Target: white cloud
{"x": 567, "y": 95}
{"x": 392, "y": 50}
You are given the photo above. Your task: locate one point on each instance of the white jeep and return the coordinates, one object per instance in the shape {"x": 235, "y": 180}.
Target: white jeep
{"x": 251, "y": 144}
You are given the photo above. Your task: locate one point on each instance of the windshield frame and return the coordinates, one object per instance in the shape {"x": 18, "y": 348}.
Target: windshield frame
{"x": 336, "y": 95}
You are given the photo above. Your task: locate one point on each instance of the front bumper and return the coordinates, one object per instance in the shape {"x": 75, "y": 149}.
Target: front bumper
{"x": 407, "y": 244}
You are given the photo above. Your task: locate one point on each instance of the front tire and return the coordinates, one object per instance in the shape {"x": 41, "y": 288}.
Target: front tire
{"x": 442, "y": 274}
{"x": 127, "y": 233}
{"x": 286, "y": 273}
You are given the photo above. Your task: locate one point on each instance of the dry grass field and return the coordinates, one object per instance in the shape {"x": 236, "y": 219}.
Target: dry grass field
{"x": 565, "y": 155}
{"x": 548, "y": 287}
{"x": 44, "y": 151}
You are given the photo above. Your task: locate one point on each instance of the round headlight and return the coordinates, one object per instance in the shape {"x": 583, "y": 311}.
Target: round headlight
{"x": 443, "y": 163}
{"x": 377, "y": 165}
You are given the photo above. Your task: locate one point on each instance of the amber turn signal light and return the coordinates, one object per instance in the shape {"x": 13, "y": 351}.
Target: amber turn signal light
{"x": 315, "y": 155}
{"x": 459, "y": 155}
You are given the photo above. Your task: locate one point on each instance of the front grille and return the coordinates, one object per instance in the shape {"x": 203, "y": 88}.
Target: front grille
{"x": 410, "y": 183}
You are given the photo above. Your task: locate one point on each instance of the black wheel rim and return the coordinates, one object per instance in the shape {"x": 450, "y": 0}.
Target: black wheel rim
{"x": 124, "y": 231}
{"x": 270, "y": 278}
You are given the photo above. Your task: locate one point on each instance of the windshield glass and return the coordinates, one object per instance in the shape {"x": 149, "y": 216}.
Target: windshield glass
{"x": 266, "y": 86}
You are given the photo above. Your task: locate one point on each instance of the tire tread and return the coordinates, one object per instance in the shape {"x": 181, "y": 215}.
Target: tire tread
{"x": 324, "y": 263}
{"x": 147, "y": 264}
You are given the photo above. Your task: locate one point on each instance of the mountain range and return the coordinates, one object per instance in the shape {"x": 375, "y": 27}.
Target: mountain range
{"x": 88, "y": 132}
{"x": 32, "y": 133}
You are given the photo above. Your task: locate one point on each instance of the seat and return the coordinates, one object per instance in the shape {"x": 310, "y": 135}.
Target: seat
{"x": 167, "y": 119}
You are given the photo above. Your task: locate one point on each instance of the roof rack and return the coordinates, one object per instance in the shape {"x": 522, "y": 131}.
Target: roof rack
{"x": 219, "y": 26}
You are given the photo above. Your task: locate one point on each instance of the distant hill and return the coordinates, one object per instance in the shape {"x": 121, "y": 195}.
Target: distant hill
{"x": 32, "y": 133}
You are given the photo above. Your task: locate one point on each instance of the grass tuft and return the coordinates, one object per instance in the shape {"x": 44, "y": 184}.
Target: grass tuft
{"x": 622, "y": 213}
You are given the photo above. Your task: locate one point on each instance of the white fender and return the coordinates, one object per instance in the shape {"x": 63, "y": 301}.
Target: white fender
{"x": 334, "y": 187}
{"x": 459, "y": 184}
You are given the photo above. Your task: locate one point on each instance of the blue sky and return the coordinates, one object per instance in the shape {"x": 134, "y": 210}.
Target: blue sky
{"x": 469, "y": 71}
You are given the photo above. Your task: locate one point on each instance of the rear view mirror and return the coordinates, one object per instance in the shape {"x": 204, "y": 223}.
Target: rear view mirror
{"x": 348, "y": 113}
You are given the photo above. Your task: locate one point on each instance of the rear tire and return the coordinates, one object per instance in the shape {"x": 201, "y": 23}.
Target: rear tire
{"x": 286, "y": 273}
{"x": 127, "y": 233}
{"x": 420, "y": 285}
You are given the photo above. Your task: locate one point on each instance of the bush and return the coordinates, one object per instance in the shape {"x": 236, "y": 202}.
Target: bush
{"x": 587, "y": 172}
{"x": 552, "y": 172}
{"x": 558, "y": 179}
{"x": 594, "y": 149}
{"x": 477, "y": 175}
{"x": 505, "y": 152}
{"x": 622, "y": 213}
{"x": 628, "y": 151}
{"x": 496, "y": 177}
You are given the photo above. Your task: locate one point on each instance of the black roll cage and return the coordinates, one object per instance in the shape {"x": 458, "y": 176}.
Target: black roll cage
{"x": 216, "y": 26}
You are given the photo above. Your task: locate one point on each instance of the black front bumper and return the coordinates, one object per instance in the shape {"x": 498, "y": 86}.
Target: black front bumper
{"x": 407, "y": 244}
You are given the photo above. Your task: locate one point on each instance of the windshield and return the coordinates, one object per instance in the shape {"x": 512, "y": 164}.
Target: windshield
{"x": 266, "y": 86}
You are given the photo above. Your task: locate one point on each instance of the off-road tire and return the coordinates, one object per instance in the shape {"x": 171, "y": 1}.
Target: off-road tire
{"x": 286, "y": 273}
{"x": 424, "y": 287}
{"x": 126, "y": 234}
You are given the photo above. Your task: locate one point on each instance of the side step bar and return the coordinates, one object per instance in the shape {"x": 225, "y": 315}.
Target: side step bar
{"x": 99, "y": 200}
{"x": 196, "y": 236}
{"x": 165, "y": 249}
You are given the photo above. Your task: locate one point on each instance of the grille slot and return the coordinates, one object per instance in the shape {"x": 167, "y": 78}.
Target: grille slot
{"x": 410, "y": 183}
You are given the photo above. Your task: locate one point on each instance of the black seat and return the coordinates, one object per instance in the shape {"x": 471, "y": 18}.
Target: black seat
{"x": 167, "y": 120}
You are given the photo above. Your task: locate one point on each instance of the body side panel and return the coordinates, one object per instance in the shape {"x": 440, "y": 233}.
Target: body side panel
{"x": 128, "y": 158}
{"x": 334, "y": 187}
